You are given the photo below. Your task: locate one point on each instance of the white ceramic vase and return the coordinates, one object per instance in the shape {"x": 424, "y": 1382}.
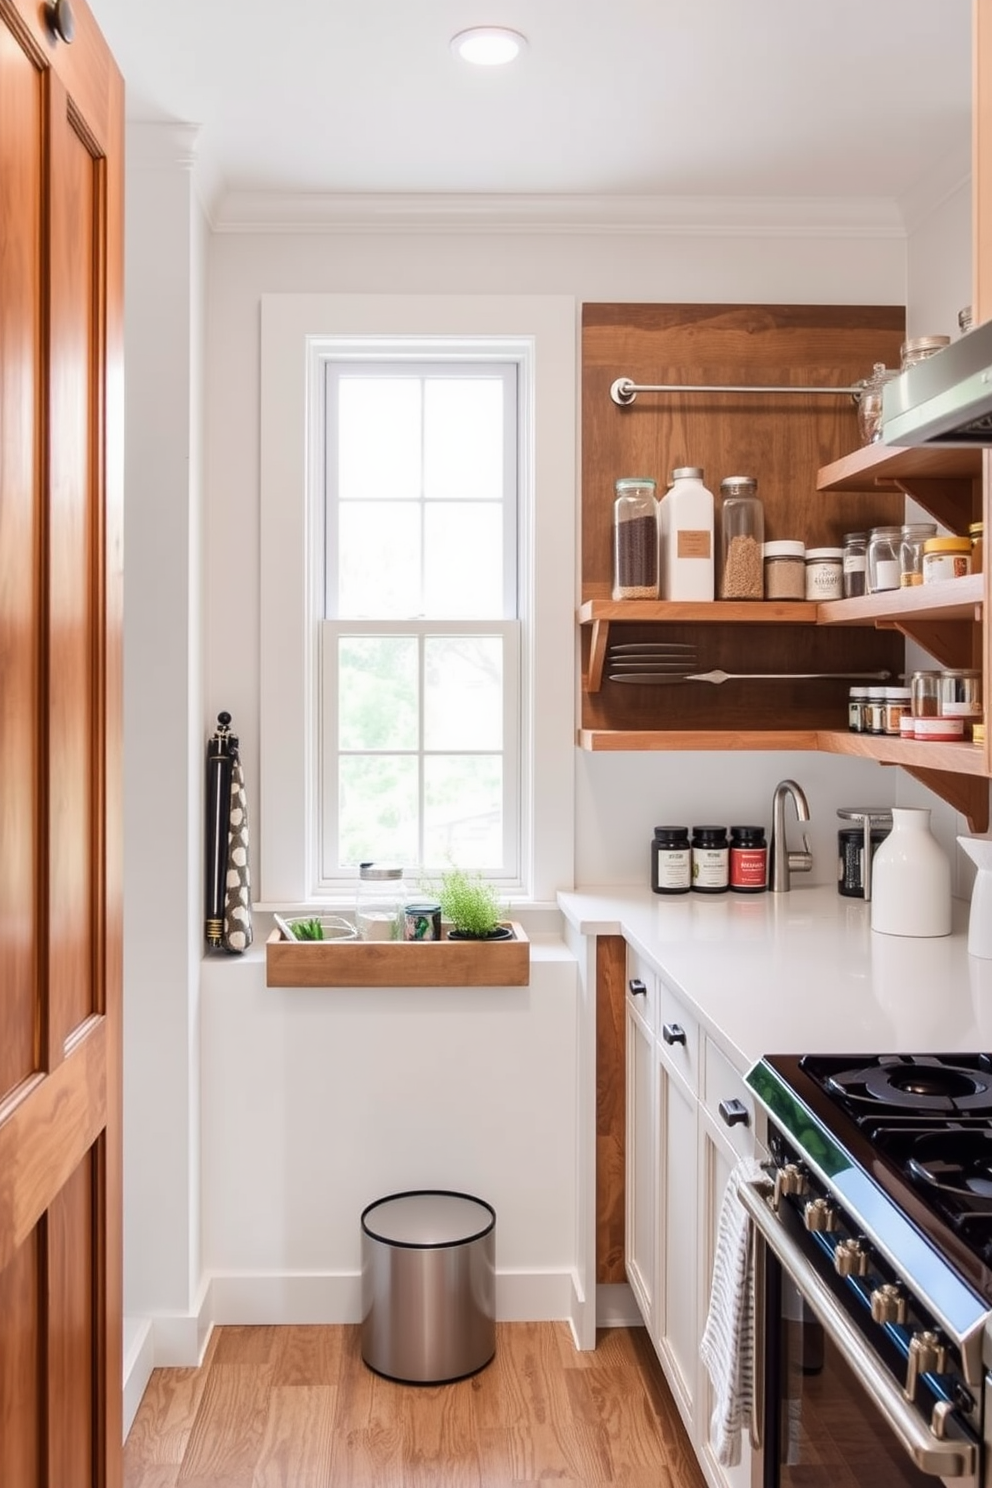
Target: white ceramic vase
{"x": 911, "y": 878}
{"x": 979, "y": 849}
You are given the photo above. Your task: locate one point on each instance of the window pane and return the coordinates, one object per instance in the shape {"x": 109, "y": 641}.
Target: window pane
{"x": 463, "y": 811}
{"x": 463, "y": 561}
{"x": 379, "y": 561}
{"x": 463, "y": 692}
{"x": 377, "y": 692}
{"x": 379, "y": 438}
{"x": 377, "y": 809}
{"x": 463, "y": 438}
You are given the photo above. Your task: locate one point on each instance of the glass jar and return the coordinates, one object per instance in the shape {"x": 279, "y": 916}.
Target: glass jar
{"x": 960, "y": 693}
{"x": 382, "y": 898}
{"x": 946, "y": 558}
{"x": 870, "y": 402}
{"x": 824, "y": 573}
{"x": 873, "y": 712}
{"x": 884, "y": 563}
{"x": 976, "y": 532}
{"x": 914, "y": 535}
{"x": 857, "y": 708}
{"x": 898, "y": 704}
{"x": 710, "y": 860}
{"x": 785, "y": 569}
{"x": 925, "y": 694}
{"x": 854, "y": 564}
{"x": 742, "y": 535}
{"x": 671, "y": 861}
{"x": 919, "y": 349}
{"x": 635, "y": 539}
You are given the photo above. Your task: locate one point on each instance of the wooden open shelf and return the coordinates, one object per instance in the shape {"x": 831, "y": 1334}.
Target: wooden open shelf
{"x": 942, "y": 479}
{"x": 394, "y": 963}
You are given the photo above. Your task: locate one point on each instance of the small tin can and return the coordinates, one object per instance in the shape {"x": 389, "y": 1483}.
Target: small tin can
{"x": 946, "y": 558}
{"x": 422, "y": 920}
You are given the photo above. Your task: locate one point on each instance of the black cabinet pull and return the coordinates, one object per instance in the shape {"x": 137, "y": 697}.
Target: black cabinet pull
{"x": 734, "y": 1113}
{"x": 637, "y": 987}
{"x": 673, "y": 1033}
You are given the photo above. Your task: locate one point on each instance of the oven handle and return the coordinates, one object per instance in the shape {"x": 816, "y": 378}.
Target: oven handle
{"x": 948, "y": 1459}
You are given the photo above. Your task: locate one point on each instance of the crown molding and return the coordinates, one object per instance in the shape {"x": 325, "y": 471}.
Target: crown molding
{"x": 671, "y": 216}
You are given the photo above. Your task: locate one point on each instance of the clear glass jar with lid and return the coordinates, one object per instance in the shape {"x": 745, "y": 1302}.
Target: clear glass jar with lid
{"x": 742, "y": 535}
{"x": 635, "y": 539}
{"x": 884, "y": 562}
{"x": 870, "y": 402}
{"x": 382, "y": 897}
{"x": 919, "y": 349}
{"x": 914, "y": 535}
{"x": 854, "y": 564}
{"x": 785, "y": 569}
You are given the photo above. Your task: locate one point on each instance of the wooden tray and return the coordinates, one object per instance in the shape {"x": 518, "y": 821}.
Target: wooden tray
{"x": 389, "y": 963}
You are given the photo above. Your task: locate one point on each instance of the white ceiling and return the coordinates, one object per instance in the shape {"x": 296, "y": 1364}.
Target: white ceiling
{"x": 851, "y": 99}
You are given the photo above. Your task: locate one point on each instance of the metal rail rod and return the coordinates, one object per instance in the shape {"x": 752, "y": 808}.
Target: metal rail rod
{"x": 624, "y": 392}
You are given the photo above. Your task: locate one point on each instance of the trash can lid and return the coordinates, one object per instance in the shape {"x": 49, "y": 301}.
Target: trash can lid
{"x": 428, "y": 1218}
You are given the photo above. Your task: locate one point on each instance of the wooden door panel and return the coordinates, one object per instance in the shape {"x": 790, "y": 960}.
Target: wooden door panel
{"x": 72, "y": 1334}
{"x": 73, "y": 588}
{"x": 21, "y": 116}
{"x": 21, "y": 1307}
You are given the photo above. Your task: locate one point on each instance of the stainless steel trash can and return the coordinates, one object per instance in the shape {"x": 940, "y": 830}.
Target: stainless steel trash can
{"x": 428, "y": 1285}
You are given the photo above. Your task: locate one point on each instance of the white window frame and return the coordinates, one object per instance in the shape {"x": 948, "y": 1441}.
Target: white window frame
{"x": 539, "y": 331}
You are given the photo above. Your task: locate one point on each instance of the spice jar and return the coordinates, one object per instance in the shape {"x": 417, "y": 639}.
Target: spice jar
{"x": 976, "y": 532}
{"x": 884, "y": 563}
{"x": 946, "y": 558}
{"x": 919, "y": 349}
{"x": 785, "y": 569}
{"x": 382, "y": 897}
{"x": 710, "y": 860}
{"x": 854, "y": 564}
{"x": 870, "y": 402}
{"x": 671, "y": 861}
{"x": 824, "y": 573}
{"x": 742, "y": 534}
{"x": 748, "y": 860}
{"x": 960, "y": 693}
{"x": 925, "y": 694}
{"x": 912, "y": 538}
{"x": 873, "y": 712}
{"x": 686, "y": 520}
{"x": 857, "y": 709}
{"x": 898, "y": 704}
{"x": 635, "y": 539}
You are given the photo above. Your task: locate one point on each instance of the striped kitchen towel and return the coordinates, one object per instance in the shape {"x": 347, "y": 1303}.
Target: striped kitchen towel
{"x": 727, "y": 1347}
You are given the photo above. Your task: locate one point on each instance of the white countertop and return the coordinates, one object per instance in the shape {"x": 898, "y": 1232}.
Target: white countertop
{"x": 801, "y": 972}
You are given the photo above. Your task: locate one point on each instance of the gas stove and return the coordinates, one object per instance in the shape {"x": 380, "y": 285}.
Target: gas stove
{"x": 879, "y": 1199}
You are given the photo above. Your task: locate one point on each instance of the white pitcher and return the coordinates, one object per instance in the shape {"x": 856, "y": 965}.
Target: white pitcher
{"x": 979, "y": 849}
{"x": 911, "y": 878}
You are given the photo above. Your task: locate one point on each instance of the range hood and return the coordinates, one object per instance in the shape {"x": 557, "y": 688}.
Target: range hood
{"x": 946, "y": 399}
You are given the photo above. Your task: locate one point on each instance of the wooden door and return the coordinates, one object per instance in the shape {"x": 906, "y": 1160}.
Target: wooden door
{"x": 61, "y": 242}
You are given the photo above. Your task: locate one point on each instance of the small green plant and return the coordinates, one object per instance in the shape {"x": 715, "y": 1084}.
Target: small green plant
{"x": 308, "y": 930}
{"x": 472, "y": 906}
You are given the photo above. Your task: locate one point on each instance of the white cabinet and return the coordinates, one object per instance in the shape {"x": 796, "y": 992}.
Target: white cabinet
{"x": 640, "y": 1177}
{"x": 677, "y": 1339}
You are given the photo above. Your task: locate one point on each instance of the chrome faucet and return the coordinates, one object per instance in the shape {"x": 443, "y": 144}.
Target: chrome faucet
{"x": 782, "y": 862}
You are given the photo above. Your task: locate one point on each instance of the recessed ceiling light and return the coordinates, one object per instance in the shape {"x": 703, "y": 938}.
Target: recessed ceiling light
{"x": 488, "y": 46}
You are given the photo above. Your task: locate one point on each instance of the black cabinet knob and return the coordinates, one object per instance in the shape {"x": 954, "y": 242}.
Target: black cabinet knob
{"x": 734, "y": 1112}
{"x": 637, "y": 987}
{"x": 673, "y": 1033}
{"x": 60, "y": 20}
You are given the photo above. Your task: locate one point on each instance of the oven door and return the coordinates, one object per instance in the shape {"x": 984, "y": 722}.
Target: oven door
{"x": 833, "y": 1415}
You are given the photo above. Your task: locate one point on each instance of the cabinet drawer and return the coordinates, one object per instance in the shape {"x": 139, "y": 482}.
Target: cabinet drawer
{"x": 728, "y": 1102}
{"x": 641, "y": 975}
{"x": 678, "y": 1036}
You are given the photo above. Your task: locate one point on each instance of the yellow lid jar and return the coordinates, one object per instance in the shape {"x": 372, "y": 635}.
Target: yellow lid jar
{"x": 946, "y": 558}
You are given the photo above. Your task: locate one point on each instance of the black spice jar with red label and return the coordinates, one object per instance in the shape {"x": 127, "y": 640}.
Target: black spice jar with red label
{"x": 748, "y": 860}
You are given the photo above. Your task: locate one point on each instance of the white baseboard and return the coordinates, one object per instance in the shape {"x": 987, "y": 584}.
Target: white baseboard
{"x": 139, "y": 1361}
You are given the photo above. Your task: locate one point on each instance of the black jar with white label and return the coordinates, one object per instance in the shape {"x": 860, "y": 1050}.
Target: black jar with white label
{"x": 671, "y": 861}
{"x": 710, "y": 860}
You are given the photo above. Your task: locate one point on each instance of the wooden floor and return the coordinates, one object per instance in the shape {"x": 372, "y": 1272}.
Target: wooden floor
{"x": 295, "y": 1407}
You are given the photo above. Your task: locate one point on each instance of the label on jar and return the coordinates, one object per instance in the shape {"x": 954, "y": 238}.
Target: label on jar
{"x": 938, "y": 566}
{"x": 710, "y": 867}
{"x": 887, "y": 573}
{"x": 748, "y": 867}
{"x": 854, "y": 563}
{"x": 823, "y": 581}
{"x": 971, "y": 709}
{"x": 692, "y": 543}
{"x": 673, "y": 868}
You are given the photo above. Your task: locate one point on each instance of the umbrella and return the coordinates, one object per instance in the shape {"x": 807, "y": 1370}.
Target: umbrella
{"x": 227, "y": 924}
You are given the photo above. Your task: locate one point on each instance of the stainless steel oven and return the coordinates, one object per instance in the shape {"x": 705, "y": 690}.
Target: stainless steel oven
{"x": 873, "y": 1225}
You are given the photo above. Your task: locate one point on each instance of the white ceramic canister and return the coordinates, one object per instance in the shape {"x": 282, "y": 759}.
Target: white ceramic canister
{"x": 686, "y": 523}
{"x": 911, "y": 879}
{"x": 979, "y": 849}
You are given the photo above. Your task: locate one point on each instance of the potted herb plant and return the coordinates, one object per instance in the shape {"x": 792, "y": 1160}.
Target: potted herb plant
{"x": 472, "y": 907}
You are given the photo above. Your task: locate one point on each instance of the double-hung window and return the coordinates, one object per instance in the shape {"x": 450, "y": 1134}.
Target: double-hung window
{"x": 419, "y": 717}
{"x": 417, "y": 600}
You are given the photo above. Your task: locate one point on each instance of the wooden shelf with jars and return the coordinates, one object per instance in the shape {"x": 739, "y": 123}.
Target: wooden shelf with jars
{"x": 771, "y": 438}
